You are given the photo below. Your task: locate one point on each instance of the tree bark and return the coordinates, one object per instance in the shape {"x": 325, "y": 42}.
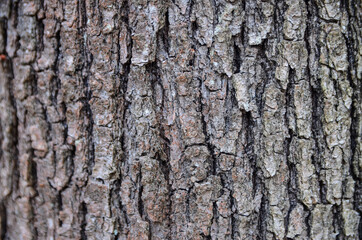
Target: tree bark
{"x": 182, "y": 119}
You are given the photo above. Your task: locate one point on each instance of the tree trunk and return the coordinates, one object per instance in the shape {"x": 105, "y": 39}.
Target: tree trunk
{"x": 183, "y": 119}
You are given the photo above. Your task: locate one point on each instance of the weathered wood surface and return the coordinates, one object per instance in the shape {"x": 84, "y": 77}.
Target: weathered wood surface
{"x": 182, "y": 119}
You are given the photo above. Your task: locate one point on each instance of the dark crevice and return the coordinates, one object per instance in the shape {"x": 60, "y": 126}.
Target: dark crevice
{"x": 9, "y": 129}
{"x": 125, "y": 103}
{"x": 281, "y": 8}
{"x": 317, "y": 99}
{"x": 162, "y": 156}
{"x": 215, "y": 6}
{"x": 12, "y": 123}
{"x": 237, "y": 59}
{"x": 307, "y": 220}
{"x": 358, "y": 203}
{"x": 121, "y": 106}
{"x": 262, "y": 223}
{"x": 84, "y": 71}
{"x": 234, "y": 221}
{"x": 69, "y": 165}
{"x": 163, "y": 34}
{"x": 188, "y": 198}
{"x": 124, "y": 131}
{"x": 89, "y": 128}
{"x": 55, "y": 84}
{"x": 267, "y": 75}
{"x": 289, "y": 101}
{"x": 243, "y": 35}
{"x": 122, "y": 219}
{"x": 228, "y": 107}
{"x": 153, "y": 73}
{"x": 249, "y": 148}
{"x": 165, "y": 169}
{"x": 59, "y": 203}
{"x": 268, "y": 69}
{"x": 140, "y": 201}
{"x": 338, "y": 222}
{"x": 141, "y": 207}
{"x": 3, "y": 220}
{"x": 3, "y": 34}
{"x": 214, "y": 218}
{"x": 7, "y": 64}
{"x": 355, "y": 83}
{"x": 33, "y": 180}
{"x": 149, "y": 229}
{"x": 124, "y": 12}
{"x": 233, "y": 101}
{"x": 194, "y": 28}
{"x": 192, "y": 60}
{"x": 39, "y": 35}
{"x": 317, "y": 133}
{"x": 308, "y": 31}
{"x": 83, "y": 219}
{"x": 33, "y": 176}
{"x": 292, "y": 192}
{"x": 100, "y": 16}
{"x": 125, "y": 107}
{"x": 205, "y": 237}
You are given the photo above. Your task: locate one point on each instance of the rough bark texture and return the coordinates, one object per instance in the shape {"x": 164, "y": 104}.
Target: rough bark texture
{"x": 180, "y": 119}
